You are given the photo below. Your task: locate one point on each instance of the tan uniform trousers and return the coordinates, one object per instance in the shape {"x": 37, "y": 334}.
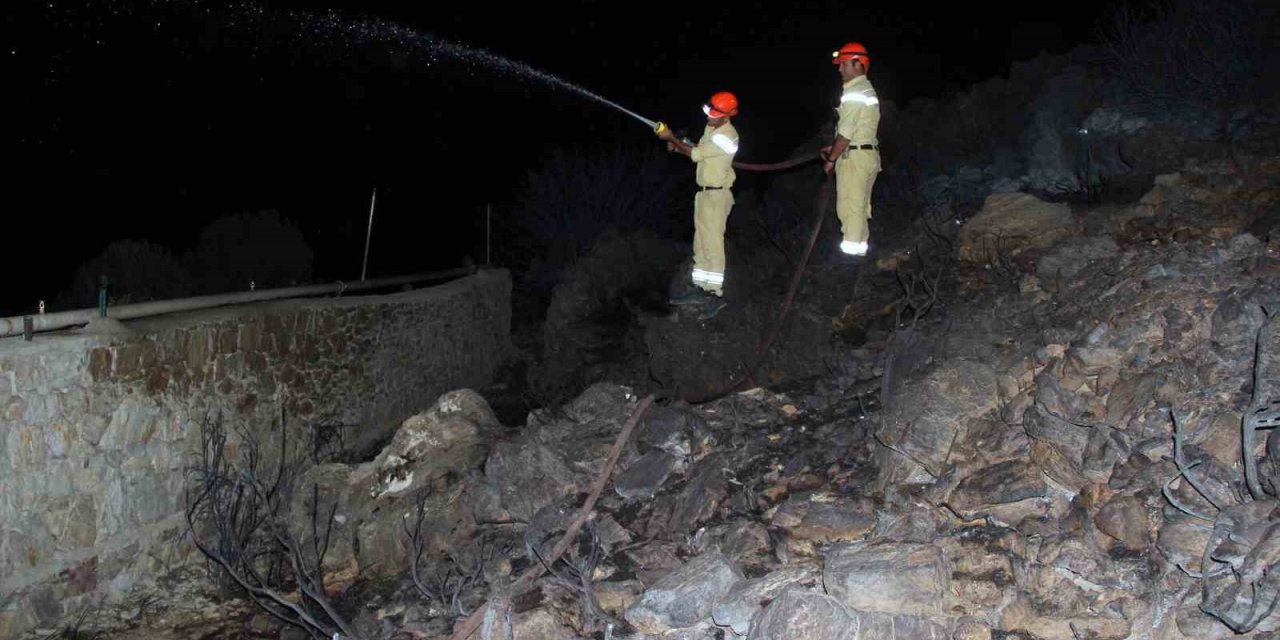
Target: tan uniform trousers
{"x": 710, "y": 213}
{"x": 856, "y": 172}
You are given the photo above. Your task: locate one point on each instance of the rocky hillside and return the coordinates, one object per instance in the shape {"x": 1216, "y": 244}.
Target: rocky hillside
{"x": 1043, "y": 409}
{"x": 1075, "y": 445}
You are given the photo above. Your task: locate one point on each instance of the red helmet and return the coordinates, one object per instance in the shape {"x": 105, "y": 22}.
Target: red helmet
{"x": 721, "y": 104}
{"x": 852, "y": 51}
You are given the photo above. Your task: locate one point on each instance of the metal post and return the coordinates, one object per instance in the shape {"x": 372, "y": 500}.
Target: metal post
{"x": 102, "y": 297}
{"x": 368, "y": 234}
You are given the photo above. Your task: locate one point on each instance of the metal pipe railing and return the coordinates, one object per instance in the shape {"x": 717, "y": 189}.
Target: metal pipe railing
{"x": 18, "y": 325}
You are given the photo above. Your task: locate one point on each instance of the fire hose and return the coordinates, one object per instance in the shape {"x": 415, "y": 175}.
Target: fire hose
{"x": 824, "y": 199}
{"x": 485, "y": 612}
{"x": 469, "y": 626}
{"x": 659, "y": 126}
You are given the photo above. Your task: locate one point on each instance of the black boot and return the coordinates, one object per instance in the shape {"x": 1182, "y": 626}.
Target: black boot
{"x": 713, "y": 306}
{"x": 694, "y": 295}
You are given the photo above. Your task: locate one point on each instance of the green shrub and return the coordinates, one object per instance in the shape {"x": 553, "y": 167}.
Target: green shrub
{"x": 136, "y": 271}
{"x": 262, "y": 248}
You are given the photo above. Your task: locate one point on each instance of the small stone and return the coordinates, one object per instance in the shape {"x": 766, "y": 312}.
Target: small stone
{"x": 645, "y": 476}
{"x": 685, "y": 596}
{"x": 908, "y": 579}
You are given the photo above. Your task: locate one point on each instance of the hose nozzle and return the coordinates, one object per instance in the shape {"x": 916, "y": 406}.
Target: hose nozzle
{"x": 660, "y": 127}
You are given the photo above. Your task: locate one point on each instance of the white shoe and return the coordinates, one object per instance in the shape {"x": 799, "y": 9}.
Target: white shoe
{"x": 854, "y": 248}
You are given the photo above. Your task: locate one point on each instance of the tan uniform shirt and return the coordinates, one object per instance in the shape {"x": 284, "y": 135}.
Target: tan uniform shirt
{"x": 714, "y": 156}
{"x": 859, "y": 112}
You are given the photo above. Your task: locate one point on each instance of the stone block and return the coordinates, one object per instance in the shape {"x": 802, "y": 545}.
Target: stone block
{"x": 251, "y": 334}
{"x": 911, "y": 579}
{"x": 100, "y": 364}
{"x": 197, "y": 347}
{"x": 228, "y": 340}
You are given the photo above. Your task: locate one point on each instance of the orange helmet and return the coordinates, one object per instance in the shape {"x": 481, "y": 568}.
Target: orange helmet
{"x": 721, "y": 104}
{"x": 852, "y": 51}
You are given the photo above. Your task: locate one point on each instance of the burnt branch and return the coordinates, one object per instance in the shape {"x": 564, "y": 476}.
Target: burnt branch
{"x": 919, "y": 293}
{"x": 999, "y": 259}
{"x": 1244, "y": 591}
{"x": 576, "y": 570}
{"x": 455, "y": 576}
{"x": 1261, "y": 414}
{"x": 526, "y": 579}
{"x": 1184, "y": 471}
{"x": 240, "y": 522}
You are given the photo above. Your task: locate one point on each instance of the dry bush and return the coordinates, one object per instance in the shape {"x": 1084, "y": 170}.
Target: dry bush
{"x": 1189, "y": 56}
{"x": 576, "y": 195}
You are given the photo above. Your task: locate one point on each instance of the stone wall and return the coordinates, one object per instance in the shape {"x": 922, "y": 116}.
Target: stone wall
{"x": 97, "y": 425}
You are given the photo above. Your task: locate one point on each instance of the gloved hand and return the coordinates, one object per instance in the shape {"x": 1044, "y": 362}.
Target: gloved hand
{"x": 665, "y": 133}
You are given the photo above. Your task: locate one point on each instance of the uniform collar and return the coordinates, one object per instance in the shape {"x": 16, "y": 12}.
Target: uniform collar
{"x": 860, "y": 79}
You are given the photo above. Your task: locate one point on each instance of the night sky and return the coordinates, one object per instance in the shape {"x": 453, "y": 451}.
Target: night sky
{"x": 147, "y": 119}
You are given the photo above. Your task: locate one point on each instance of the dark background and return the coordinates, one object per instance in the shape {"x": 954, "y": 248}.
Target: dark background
{"x": 147, "y": 120}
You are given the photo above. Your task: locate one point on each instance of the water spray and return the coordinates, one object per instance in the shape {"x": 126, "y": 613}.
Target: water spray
{"x": 659, "y": 126}
{"x": 652, "y": 124}
{"x": 334, "y": 29}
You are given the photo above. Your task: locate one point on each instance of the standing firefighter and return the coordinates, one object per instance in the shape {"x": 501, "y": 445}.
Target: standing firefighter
{"x": 854, "y": 154}
{"x": 713, "y": 156}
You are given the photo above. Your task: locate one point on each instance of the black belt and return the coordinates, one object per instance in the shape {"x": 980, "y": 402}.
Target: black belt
{"x": 710, "y": 188}
{"x": 855, "y": 147}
